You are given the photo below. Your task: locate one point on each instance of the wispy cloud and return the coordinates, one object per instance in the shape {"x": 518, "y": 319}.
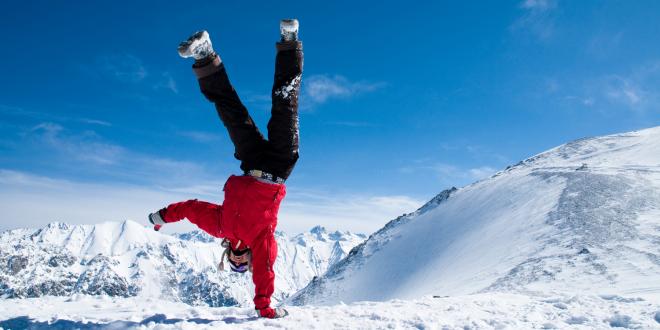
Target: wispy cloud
{"x": 32, "y": 201}
{"x": 20, "y": 112}
{"x": 123, "y": 67}
{"x": 481, "y": 173}
{"x": 316, "y": 90}
{"x": 321, "y": 88}
{"x": 352, "y": 123}
{"x": 477, "y": 153}
{"x": 90, "y": 153}
{"x": 538, "y": 4}
{"x": 167, "y": 82}
{"x": 201, "y": 137}
{"x": 635, "y": 90}
{"x": 254, "y": 100}
{"x": 95, "y": 122}
{"x": 588, "y": 101}
{"x": 131, "y": 70}
{"x": 84, "y": 147}
{"x": 355, "y": 212}
{"x": 449, "y": 174}
{"x": 538, "y": 18}
{"x": 624, "y": 90}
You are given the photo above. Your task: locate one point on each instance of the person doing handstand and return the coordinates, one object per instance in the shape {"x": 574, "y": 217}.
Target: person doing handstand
{"x": 248, "y": 216}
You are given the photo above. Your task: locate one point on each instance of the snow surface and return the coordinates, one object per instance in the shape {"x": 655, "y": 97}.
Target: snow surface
{"x": 480, "y": 311}
{"x": 569, "y": 238}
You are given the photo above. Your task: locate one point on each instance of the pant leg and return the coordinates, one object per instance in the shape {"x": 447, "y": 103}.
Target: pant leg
{"x": 283, "y": 130}
{"x": 250, "y": 145}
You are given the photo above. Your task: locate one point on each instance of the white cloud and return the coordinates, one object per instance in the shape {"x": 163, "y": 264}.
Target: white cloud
{"x": 456, "y": 174}
{"x": 20, "y": 112}
{"x": 167, "y": 82}
{"x": 129, "y": 68}
{"x": 538, "y": 18}
{"x": 303, "y": 209}
{"x": 29, "y": 200}
{"x": 635, "y": 90}
{"x": 32, "y": 201}
{"x": 352, "y": 123}
{"x": 482, "y": 172}
{"x": 449, "y": 174}
{"x": 316, "y": 90}
{"x": 83, "y": 147}
{"x": 624, "y": 90}
{"x": 123, "y": 67}
{"x": 538, "y": 4}
{"x": 95, "y": 122}
{"x": 589, "y": 101}
{"x": 320, "y": 88}
{"x": 201, "y": 137}
{"x": 90, "y": 153}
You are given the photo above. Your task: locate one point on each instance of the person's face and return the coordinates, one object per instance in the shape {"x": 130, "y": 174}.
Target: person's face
{"x": 238, "y": 259}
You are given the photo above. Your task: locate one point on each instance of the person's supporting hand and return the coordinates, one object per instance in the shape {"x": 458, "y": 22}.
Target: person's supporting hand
{"x": 156, "y": 219}
{"x": 271, "y": 313}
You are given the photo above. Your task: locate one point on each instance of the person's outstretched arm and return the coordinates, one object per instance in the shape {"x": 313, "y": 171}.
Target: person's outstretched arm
{"x": 205, "y": 215}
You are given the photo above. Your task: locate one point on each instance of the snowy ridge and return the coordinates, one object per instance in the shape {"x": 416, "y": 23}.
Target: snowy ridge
{"x": 579, "y": 218}
{"x": 127, "y": 259}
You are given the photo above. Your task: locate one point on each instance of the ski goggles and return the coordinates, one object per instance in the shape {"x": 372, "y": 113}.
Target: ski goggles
{"x": 239, "y": 268}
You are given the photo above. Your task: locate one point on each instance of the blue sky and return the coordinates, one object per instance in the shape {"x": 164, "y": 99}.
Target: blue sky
{"x": 101, "y": 120}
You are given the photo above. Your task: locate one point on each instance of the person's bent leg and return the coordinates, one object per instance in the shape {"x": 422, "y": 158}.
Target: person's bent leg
{"x": 283, "y": 130}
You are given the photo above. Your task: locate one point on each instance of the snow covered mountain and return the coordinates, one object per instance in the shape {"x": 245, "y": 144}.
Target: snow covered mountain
{"x": 127, "y": 259}
{"x": 582, "y": 218}
{"x": 569, "y": 238}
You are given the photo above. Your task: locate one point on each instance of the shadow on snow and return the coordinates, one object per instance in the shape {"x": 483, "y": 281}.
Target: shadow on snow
{"x": 25, "y": 322}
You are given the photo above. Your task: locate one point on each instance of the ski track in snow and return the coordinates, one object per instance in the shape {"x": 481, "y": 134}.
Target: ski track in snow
{"x": 480, "y": 311}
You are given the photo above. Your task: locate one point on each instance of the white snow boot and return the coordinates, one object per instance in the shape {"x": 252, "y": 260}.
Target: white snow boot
{"x": 198, "y": 46}
{"x": 289, "y": 29}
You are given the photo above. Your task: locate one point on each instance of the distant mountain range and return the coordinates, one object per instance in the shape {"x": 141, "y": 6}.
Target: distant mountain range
{"x": 128, "y": 259}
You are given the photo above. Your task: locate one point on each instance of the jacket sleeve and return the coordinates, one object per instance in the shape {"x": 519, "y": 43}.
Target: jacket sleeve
{"x": 207, "y": 216}
{"x": 264, "y": 253}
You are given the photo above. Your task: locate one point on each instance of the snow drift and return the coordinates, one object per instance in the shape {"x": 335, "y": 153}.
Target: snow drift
{"x": 580, "y": 218}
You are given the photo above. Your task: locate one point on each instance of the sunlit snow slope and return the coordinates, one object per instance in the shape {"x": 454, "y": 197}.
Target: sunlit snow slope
{"x": 580, "y": 218}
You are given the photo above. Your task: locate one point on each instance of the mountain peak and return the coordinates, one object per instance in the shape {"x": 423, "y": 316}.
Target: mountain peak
{"x": 318, "y": 230}
{"x": 58, "y": 225}
{"x": 123, "y": 259}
